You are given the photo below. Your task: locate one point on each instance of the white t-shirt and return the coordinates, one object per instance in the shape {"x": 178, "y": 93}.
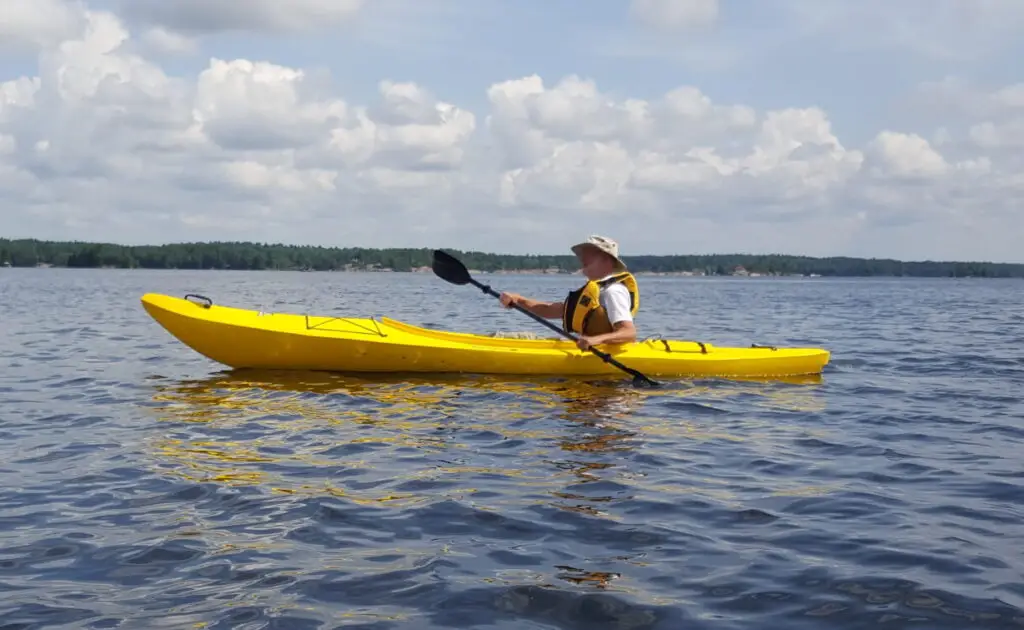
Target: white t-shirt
{"x": 615, "y": 300}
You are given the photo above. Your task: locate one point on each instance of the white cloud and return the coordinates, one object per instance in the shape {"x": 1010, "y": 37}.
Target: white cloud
{"x": 106, "y": 131}
{"x": 37, "y": 24}
{"x": 907, "y": 155}
{"x": 161, "y": 40}
{"x": 244, "y": 105}
{"x": 586, "y": 149}
{"x": 979, "y": 121}
{"x": 104, "y": 142}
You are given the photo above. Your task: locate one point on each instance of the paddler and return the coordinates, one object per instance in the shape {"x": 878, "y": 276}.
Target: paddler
{"x": 603, "y": 309}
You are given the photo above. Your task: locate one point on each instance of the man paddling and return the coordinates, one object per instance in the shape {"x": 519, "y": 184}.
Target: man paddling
{"x": 603, "y": 309}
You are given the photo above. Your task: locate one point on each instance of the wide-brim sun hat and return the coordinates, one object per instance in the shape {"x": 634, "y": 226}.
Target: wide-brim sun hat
{"x": 602, "y": 243}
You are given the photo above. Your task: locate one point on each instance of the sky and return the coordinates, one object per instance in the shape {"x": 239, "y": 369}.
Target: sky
{"x": 813, "y": 127}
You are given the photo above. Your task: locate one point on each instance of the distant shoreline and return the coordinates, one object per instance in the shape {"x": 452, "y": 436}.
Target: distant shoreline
{"x": 538, "y": 272}
{"x": 263, "y": 256}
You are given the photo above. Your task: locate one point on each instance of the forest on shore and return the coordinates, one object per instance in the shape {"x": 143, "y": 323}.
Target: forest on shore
{"x": 259, "y": 256}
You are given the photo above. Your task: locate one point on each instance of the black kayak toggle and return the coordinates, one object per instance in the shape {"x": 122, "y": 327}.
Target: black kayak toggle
{"x": 208, "y": 301}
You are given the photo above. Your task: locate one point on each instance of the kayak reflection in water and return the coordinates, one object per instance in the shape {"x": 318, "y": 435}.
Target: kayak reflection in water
{"x": 602, "y": 311}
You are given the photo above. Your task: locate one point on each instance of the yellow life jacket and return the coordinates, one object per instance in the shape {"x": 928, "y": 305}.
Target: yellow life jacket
{"x": 583, "y": 313}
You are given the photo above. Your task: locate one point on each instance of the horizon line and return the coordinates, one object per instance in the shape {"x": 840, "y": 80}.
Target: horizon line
{"x": 506, "y": 254}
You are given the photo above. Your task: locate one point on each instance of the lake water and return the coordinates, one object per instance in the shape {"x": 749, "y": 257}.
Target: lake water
{"x": 146, "y": 487}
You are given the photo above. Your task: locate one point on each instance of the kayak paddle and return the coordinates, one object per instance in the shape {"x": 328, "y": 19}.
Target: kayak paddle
{"x": 451, "y": 269}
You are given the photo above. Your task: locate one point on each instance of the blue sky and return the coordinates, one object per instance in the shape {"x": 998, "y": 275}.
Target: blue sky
{"x": 864, "y": 66}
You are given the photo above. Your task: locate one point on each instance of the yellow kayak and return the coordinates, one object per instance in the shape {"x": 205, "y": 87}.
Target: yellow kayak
{"x": 241, "y": 338}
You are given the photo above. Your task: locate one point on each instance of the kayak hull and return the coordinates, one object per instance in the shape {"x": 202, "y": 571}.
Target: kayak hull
{"x": 242, "y": 338}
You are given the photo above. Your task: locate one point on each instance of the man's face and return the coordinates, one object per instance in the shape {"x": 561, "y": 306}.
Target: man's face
{"x": 594, "y": 263}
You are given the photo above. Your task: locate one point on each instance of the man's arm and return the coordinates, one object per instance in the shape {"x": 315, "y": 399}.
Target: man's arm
{"x": 547, "y": 310}
{"x": 616, "y": 302}
{"x": 624, "y": 332}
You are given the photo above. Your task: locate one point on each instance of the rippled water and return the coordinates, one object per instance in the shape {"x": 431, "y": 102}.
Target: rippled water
{"x": 143, "y": 486}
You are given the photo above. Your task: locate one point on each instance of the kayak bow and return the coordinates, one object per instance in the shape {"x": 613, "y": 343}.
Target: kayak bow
{"x": 242, "y": 338}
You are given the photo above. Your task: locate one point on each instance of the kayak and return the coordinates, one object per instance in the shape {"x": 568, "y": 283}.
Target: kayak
{"x": 243, "y": 338}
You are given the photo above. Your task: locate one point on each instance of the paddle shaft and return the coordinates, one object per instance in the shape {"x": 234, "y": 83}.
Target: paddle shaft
{"x": 607, "y": 358}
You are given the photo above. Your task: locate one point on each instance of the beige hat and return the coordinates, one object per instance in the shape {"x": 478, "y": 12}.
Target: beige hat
{"x": 604, "y": 244}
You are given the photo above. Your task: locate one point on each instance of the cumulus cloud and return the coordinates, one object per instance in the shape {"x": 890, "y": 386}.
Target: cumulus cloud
{"x": 106, "y": 131}
{"x": 907, "y": 155}
{"x": 104, "y": 142}
{"x": 591, "y": 151}
{"x": 978, "y": 122}
{"x": 37, "y": 24}
{"x": 162, "y": 41}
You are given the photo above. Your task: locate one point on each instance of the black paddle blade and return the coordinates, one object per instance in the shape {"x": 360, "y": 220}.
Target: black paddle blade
{"x": 450, "y": 268}
{"x": 644, "y": 381}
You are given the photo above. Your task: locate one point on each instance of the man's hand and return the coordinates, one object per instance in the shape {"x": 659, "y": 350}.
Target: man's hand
{"x": 508, "y": 299}
{"x": 624, "y": 332}
{"x": 550, "y": 310}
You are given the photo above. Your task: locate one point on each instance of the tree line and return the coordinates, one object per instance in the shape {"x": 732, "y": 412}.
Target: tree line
{"x": 254, "y": 256}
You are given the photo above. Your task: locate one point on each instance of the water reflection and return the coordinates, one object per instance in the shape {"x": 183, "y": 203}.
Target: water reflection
{"x": 402, "y": 440}
{"x": 245, "y": 427}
